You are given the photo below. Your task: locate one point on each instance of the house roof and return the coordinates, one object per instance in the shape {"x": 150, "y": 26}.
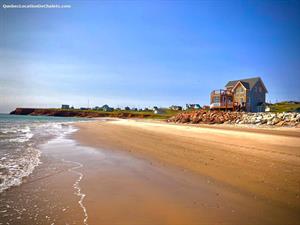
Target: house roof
{"x": 248, "y": 83}
{"x": 245, "y": 85}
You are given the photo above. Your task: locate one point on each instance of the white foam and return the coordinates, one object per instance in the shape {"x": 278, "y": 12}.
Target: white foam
{"x": 23, "y": 138}
{"x": 77, "y": 188}
{"x": 20, "y": 162}
{"x": 17, "y": 169}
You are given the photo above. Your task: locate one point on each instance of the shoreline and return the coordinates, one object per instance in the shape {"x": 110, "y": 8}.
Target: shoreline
{"x": 258, "y": 119}
{"x": 260, "y": 165}
{"x": 119, "y": 171}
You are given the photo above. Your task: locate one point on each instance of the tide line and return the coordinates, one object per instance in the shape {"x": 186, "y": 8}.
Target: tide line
{"x": 77, "y": 187}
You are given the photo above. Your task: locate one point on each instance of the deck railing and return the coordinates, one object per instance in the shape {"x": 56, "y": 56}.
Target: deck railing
{"x": 221, "y": 104}
{"x": 221, "y": 99}
{"x": 221, "y": 92}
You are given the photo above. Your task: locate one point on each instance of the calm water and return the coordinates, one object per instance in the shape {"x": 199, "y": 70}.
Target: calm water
{"x": 20, "y": 137}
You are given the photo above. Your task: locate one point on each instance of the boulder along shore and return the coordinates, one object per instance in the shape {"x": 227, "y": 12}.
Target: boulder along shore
{"x": 220, "y": 117}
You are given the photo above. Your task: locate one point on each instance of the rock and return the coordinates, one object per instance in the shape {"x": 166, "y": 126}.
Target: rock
{"x": 281, "y": 123}
{"x": 264, "y": 121}
{"x": 211, "y": 117}
{"x": 257, "y": 121}
{"x": 275, "y": 120}
{"x": 259, "y": 118}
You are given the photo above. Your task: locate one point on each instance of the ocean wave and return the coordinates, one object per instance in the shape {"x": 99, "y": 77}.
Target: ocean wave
{"x": 12, "y": 171}
{"x": 23, "y": 138}
{"x": 19, "y": 153}
{"x": 14, "y": 130}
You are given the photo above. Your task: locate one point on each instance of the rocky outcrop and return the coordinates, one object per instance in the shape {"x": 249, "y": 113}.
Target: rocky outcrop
{"x": 219, "y": 117}
{"x": 22, "y": 111}
{"x": 75, "y": 113}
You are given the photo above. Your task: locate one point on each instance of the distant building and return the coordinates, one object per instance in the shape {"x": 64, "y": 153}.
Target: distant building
{"x": 106, "y": 108}
{"x": 65, "y": 106}
{"x": 96, "y": 108}
{"x": 193, "y": 106}
{"x": 205, "y": 107}
{"x": 267, "y": 108}
{"x": 83, "y": 108}
{"x": 176, "y": 107}
{"x": 158, "y": 111}
{"x": 240, "y": 95}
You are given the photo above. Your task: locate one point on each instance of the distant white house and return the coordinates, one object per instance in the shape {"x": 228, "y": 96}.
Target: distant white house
{"x": 267, "y": 108}
{"x": 158, "y": 111}
{"x": 193, "y": 106}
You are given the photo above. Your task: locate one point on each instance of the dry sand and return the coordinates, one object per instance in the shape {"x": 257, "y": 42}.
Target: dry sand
{"x": 192, "y": 175}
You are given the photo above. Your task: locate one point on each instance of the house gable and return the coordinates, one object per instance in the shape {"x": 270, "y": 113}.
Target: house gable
{"x": 248, "y": 83}
{"x": 240, "y": 91}
{"x": 242, "y": 84}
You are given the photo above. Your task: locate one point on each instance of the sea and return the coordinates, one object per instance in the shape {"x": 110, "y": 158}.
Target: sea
{"x": 20, "y": 138}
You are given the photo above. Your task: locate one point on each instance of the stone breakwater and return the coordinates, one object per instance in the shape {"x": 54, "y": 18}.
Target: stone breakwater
{"x": 220, "y": 117}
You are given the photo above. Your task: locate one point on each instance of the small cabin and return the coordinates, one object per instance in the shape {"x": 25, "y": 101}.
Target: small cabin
{"x": 106, "y": 108}
{"x": 240, "y": 95}
{"x": 193, "y": 106}
{"x": 65, "y": 106}
{"x": 176, "y": 107}
{"x": 158, "y": 111}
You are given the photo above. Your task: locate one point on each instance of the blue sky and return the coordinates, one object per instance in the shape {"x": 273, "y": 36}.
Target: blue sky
{"x": 145, "y": 53}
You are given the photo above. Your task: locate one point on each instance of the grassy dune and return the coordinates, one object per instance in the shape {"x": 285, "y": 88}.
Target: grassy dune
{"x": 285, "y": 107}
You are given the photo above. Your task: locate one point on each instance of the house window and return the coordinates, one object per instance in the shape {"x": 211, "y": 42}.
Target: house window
{"x": 260, "y": 89}
{"x": 240, "y": 90}
{"x": 216, "y": 99}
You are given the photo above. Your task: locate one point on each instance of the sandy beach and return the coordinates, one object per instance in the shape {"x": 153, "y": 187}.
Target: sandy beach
{"x": 142, "y": 172}
{"x": 192, "y": 175}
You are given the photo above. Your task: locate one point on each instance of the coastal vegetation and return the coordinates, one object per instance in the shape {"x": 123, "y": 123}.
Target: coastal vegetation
{"x": 89, "y": 113}
{"x": 280, "y": 114}
{"x": 285, "y": 106}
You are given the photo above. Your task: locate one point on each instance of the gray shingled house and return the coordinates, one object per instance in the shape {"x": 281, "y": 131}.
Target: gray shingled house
{"x": 240, "y": 95}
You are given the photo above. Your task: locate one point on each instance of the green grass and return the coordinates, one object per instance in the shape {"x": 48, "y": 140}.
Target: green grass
{"x": 139, "y": 114}
{"x": 148, "y": 114}
{"x": 284, "y": 107}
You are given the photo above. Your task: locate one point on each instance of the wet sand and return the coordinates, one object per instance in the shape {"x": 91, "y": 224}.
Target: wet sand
{"x": 158, "y": 173}
{"x": 150, "y": 173}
